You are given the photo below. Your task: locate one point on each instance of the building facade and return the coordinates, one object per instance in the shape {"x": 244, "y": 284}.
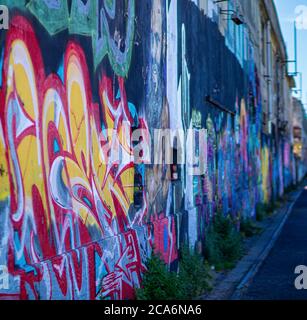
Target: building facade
{"x": 79, "y": 216}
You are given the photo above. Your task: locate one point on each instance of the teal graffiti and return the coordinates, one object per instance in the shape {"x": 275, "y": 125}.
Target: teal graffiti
{"x": 87, "y": 18}
{"x": 53, "y": 15}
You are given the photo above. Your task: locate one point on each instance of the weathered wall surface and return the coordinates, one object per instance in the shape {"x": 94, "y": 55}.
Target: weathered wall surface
{"x": 73, "y": 227}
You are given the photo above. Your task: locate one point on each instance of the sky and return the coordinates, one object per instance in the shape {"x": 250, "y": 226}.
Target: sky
{"x": 290, "y": 11}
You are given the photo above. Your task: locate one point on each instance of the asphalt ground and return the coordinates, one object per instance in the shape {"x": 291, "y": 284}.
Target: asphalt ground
{"x": 276, "y": 277}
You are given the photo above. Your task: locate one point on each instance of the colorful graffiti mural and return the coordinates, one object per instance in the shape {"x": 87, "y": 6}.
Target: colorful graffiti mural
{"x": 75, "y": 197}
{"x": 79, "y": 216}
{"x": 89, "y": 19}
{"x": 68, "y": 177}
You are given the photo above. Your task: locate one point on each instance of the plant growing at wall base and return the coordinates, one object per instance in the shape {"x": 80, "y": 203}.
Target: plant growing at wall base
{"x": 223, "y": 243}
{"x": 264, "y": 210}
{"x": 191, "y": 281}
{"x": 290, "y": 189}
{"x": 248, "y": 228}
{"x": 260, "y": 212}
{"x": 159, "y": 283}
{"x": 194, "y": 273}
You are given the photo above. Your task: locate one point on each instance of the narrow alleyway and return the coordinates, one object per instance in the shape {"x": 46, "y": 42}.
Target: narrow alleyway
{"x": 275, "y": 279}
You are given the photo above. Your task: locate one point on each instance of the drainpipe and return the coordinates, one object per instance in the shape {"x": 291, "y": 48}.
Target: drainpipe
{"x": 269, "y": 73}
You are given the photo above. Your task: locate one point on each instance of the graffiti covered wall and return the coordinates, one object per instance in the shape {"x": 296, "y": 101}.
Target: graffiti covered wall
{"x": 78, "y": 222}
{"x": 67, "y": 227}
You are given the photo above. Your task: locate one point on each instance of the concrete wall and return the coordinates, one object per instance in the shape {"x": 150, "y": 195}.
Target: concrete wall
{"x": 299, "y": 123}
{"x": 75, "y": 223}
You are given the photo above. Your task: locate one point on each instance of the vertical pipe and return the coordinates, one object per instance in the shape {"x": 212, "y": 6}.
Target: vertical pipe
{"x": 295, "y": 47}
{"x": 269, "y": 73}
